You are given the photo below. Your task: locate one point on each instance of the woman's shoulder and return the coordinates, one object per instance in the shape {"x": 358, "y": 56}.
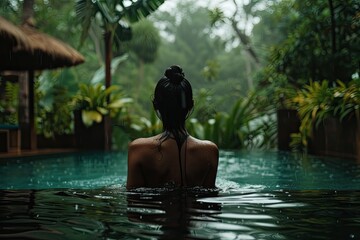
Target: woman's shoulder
{"x": 143, "y": 142}
{"x": 205, "y": 152}
{"x": 204, "y": 145}
{"x": 141, "y": 149}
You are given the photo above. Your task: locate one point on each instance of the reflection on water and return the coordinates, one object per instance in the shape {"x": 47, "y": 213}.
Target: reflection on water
{"x": 262, "y": 195}
{"x": 169, "y": 213}
{"x": 255, "y": 170}
{"x": 113, "y": 213}
{"x": 281, "y": 170}
{"x": 77, "y": 170}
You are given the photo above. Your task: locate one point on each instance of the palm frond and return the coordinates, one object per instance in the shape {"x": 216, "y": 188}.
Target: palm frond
{"x": 140, "y": 9}
{"x": 85, "y": 12}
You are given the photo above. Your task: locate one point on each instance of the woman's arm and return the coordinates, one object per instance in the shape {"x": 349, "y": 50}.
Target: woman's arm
{"x": 213, "y": 160}
{"x": 135, "y": 177}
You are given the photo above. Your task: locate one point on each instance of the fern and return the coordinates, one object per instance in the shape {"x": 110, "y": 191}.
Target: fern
{"x": 9, "y": 104}
{"x": 317, "y": 101}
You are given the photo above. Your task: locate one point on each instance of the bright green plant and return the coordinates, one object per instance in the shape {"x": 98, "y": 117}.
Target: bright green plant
{"x": 235, "y": 127}
{"x": 92, "y": 101}
{"x": 284, "y": 97}
{"x": 314, "y": 105}
{"x": 318, "y": 101}
{"x": 347, "y": 99}
{"x": 54, "y": 113}
{"x": 54, "y": 91}
{"x": 246, "y": 126}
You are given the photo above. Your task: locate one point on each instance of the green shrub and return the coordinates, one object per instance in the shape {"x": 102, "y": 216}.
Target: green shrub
{"x": 94, "y": 101}
{"x": 247, "y": 125}
{"x": 9, "y": 104}
{"x": 318, "y": 101}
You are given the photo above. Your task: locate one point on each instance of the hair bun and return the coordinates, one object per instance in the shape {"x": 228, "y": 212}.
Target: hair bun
{"x": 175, "y": 74}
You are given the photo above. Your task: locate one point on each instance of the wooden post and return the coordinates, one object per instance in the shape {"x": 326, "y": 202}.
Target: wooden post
{"x": 333, "y": 44}
{"x": 24, "y": 110}
{"x": 108, "y": 56}
{"x": 32, "y": 130}
{"x": 288, "y": 123}
{"x": 27, "y": 111}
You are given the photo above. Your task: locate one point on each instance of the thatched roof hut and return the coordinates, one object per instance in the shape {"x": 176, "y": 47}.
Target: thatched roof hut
{"x": 25, "y": 48}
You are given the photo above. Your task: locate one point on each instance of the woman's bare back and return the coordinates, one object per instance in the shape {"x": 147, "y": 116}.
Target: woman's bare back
{"x": 151, "y": 164}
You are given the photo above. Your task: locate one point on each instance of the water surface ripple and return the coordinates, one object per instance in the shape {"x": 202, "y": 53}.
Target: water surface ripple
{"x": 260, "y": 195}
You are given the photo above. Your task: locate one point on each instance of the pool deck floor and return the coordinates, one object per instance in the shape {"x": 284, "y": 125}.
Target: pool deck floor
{"x": 37, "y": 152}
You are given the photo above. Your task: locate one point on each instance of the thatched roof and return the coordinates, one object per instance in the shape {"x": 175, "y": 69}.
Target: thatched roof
{"x": 28, "y": 49}
{"x": 11, "y": 37}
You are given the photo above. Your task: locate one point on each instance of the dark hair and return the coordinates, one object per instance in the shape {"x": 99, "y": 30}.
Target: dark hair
{"x": 173, "y": 101}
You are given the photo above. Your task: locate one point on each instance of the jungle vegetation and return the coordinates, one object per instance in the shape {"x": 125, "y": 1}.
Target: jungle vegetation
{"x": 242, "y": 58}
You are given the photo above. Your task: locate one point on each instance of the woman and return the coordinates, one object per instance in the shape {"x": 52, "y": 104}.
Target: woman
{"x": 172, "y": 158}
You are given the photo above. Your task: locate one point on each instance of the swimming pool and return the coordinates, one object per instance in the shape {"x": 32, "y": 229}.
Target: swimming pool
{"x": 261, "y": 195}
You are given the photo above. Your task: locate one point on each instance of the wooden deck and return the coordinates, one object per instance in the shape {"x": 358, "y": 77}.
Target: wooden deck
{"x": 38, "y": 152}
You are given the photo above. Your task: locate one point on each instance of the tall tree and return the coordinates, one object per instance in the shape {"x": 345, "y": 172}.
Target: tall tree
{"x": 113, "y": 17}
{"x": 145, "y": 43}
{"x": 187, "y": 40}
{"x": 28, "y": 11}
{"x": 322, "y": 42}
{"x": 240, "y": 22}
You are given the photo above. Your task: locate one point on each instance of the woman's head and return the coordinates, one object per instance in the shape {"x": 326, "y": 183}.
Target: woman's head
{"x": 173, "y": 99}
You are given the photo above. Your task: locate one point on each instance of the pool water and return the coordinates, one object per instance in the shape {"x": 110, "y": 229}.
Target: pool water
{"x": 260, "y": 195}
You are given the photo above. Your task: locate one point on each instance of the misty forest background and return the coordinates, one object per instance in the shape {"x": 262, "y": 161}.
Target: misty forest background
{"x": 237, "y": 54}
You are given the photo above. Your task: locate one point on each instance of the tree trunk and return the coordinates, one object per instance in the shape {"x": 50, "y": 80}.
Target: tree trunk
{"x": 108, "y": 56}
{"x": 141, "y": 78}
{"x": 249, "y": 75}
{"x": 24, "y": 122}
{"x": 33, "y": 142}
{"x": 333, "y": 43}
{"x": 28, "y": 12}
{"x": 108, "y": 53}
{"x": 244, "y": 39}
{"x": 26, "y": 86}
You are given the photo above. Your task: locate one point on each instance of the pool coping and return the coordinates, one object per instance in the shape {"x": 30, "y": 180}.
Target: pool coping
{"x": 37, "y": 152}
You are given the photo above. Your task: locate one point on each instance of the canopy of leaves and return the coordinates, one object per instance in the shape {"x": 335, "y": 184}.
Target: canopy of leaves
{"x": 317, "y": 48}
{"x": 145, "y": 41}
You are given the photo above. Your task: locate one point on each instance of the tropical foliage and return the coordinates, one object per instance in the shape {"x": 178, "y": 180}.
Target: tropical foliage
{"x": 347, "y": 99}
{"x": 9, "y": 103}
{"x": 94, "y": 101}
{"x": 246, "y": 126}
{"x": 54, "y": 91}
{"x": 114, "y": 19}
{"x": 54, "y": 115}
{"x": 318, "y": 101}
{"x": 298, "y": 44}
{"x": 322, "y": 43}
